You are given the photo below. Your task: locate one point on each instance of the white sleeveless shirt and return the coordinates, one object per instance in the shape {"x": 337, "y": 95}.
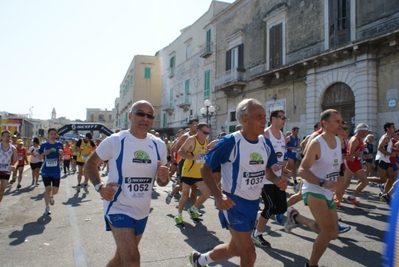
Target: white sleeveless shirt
{"x": 327, "y": 167}
{"x": 279, "y": 149}
{"x": 388, "y": 148}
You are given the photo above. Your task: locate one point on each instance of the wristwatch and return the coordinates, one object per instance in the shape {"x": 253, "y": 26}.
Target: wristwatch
{"x": 321, "y": 182}
{"x": 98, "y": 186}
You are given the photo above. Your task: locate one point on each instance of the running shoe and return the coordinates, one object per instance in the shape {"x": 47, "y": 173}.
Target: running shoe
{"x": 173, "y": 185}
{"x": 12, "y": 181}
{"x": 279, "y": 218}
{"x": 177, "y": 195}
{"x": 37, "y": 183}
{"x": 178, "y": 219}
{"x": 168, "y": 198}
{"x": 19, "y": 186}
{"x": 85, "y": 188}
{"x": 372, "y": 184}
{"x": 290, "y": 221}
{"x": 193, "y": 213}
{"x": 353, "y": 201}
{"x": 386, "y": 198}
{"x": 194, "y": 259}
{"x": 51, "y": 200}
{"x": 260, "y": 241}
{"x": 78, "y": 188}
{"x": 339, "y": 219}
{"x": 33, "y": 182}
{"x": 47, "y": 211}
{"x": 343, "y": 228}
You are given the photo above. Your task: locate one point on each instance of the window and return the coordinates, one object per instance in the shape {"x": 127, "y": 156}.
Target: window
{"x": 207, "y": 84}
{"x": 171, "y": 98}
{"x": 275, "y": 35}
{"x": 188, "y": 51}
{"x": 101, "y": 117}
{"x": 338, "y": 16}
{"x": 208, "y": 41}
{"x": 235, "y": 57}
{"x": 186, "y": 91}
{"x": 172, "y": 63}
{"x": 92, "y": 117}
{"x": 233, "y": 116}
{"x": 147, "y": 73}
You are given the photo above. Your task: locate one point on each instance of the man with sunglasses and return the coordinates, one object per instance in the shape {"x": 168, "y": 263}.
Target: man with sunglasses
{"x": 193, "y": 151}
{"x": 246, "y": 158}
{"x": 135, "y": 159}
{"x": 192, "y": 124}
{"x": 274, "y": 199}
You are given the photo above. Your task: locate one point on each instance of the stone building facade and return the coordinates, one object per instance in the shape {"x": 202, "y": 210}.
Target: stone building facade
{"x": 307, "y": 56}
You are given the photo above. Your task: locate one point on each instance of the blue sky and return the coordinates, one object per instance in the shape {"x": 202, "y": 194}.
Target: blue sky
{"x": 73, "y": 54}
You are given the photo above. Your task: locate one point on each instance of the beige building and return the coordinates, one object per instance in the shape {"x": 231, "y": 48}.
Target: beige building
{"x": 101, "y": 116}
{"x": 188, "y": 71}
{"x": 142, "y": 81}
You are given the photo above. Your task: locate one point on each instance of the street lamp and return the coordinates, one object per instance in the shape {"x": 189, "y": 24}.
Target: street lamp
{"x": 208, "y": 110}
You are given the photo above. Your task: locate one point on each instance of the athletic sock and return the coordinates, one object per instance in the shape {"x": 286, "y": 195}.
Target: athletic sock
{"x": 204, "y": 259}
{"x": 194, "y": 208}
{"x": 256, "y": 233}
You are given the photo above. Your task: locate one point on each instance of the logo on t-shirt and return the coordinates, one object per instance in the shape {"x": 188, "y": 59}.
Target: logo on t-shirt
{"x": 141, "y": 156}
{"x": 255, "y": 159}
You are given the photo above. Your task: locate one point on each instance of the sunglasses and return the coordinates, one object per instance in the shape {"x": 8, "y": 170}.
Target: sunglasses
{"x": 142, "y": 114}
{"x": 282, "y": 117}
{"x": 345, "y": 129}
{"x": 206, "y": 133}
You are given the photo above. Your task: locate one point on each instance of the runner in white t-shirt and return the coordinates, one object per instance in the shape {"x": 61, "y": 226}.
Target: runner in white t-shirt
{"x": 136, "y": 158}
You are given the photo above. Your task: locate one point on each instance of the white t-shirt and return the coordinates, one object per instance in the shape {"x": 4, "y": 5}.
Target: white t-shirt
{"x": 327, "y": 167}
{"x": 133, "y": 163}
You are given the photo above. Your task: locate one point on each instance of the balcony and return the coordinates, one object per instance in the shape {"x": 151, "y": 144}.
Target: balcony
{"x": 183, "y": 104}
{"x": 168, "y": 108}
{"x": 231, "y": 82}
{"x": 206, "y": 49}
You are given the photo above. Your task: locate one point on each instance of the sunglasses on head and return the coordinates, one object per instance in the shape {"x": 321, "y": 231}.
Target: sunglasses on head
{"x": 204, "y": 132}
{"x": 142, "y": 114}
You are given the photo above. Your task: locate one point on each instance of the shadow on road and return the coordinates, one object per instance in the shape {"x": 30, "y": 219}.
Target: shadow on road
{"x": 76, "y": 200}
{"x": 29, "y": 229}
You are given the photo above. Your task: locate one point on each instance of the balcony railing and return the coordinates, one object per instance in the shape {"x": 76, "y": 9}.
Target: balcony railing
{"x": 206, "y": 49}
{"x": 230, "y": 76}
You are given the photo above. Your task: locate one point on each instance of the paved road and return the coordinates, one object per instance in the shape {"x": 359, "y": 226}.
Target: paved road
{"x": 74, "y": 234}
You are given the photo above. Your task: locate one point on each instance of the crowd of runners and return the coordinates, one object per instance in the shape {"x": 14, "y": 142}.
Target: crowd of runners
{"x": 246, "y": 172}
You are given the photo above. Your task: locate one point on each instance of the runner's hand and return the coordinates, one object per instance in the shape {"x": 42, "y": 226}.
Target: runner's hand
{"x": 108, "y": 191}
{"x": 224, "y": 202}
{"x": 281, "y": 183}
{"x": 162, "y": 174}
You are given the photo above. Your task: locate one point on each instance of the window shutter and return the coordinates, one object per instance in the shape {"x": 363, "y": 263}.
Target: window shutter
{"x": 331, "y": 19}
{"x": 208, "y": 40}
{"x": 228, "y": 60}
{"x": 276, "y": 41}
{"x": 241, "y": 56}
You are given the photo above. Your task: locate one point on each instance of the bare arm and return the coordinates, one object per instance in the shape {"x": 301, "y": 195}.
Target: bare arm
{"x": 91, "y": 171}
{"x": 381, "y": 146}
{"x": 188, "y": 146}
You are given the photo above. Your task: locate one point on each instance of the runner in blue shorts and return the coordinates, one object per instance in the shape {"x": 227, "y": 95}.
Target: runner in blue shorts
{"x": 246, "y": 158}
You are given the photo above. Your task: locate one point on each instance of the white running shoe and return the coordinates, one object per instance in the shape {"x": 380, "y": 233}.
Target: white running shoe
{"x": 168, "y": 198}
{"x": 47, "y": 211}
{"x": 290, "y": 221}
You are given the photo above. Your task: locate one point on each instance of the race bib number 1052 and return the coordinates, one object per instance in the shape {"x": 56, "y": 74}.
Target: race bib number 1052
{"x": 136, "y": 187}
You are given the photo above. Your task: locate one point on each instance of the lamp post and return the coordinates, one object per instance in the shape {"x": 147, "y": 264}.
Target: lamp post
{"x": 208, "y": 110}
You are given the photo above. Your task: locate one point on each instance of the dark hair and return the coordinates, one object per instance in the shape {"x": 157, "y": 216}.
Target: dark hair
{"x": 325, "y": 115}
{"x": 52, "y": 129}
{"x": 388, "y": 125}
{"x": 36, "y": 140}
{"x": 202, "y": 125}
{"x": 316, "y": 125}
{"x": 275, "y": 113}
{"x": 191, "y": 121}
{"x": 88, "y": 135}
{"x": 295, "y": 128}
